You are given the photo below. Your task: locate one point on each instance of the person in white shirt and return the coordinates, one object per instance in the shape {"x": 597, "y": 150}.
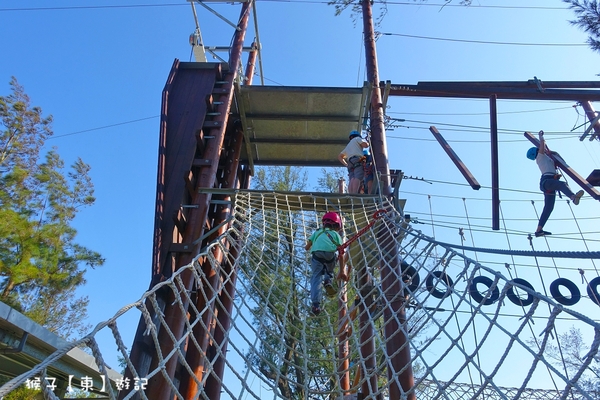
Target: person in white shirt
{"x": 351, "y": 158}
{"x": 549, "y": 183}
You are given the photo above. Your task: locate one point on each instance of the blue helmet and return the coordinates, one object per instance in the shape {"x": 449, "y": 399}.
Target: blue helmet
{"x": 532, "y": 153}
{"x": 353, "y": 134}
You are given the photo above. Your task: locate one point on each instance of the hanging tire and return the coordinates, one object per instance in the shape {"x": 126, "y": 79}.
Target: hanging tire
{"x": 592, "y": 290}
{"x": 477, "y": 296}
{"x": 516, "y": 299}
{"x": 571, "y": 287}
{"x": 410, "y": 277}
{"x": 429, "y": 284}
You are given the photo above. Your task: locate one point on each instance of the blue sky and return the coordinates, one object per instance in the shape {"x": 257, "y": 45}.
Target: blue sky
{"x": 99, "y": 69}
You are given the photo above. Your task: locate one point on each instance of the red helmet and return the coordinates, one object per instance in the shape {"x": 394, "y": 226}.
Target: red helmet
{"x": 332, "y": 218}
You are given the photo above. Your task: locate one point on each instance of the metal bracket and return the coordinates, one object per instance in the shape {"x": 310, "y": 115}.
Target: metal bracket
{"x": 19, "y": 348}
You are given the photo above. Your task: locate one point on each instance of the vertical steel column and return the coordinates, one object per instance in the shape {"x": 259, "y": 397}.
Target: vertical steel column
{"x": 495, "y": 173}
{"x": 159, "y": 386}
{"x": 214, "y": 381}
{"x": 391, "y": 276}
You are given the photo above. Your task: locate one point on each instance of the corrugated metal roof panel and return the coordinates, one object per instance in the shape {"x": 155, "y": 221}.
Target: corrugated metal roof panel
{"x": 298, "y": 125}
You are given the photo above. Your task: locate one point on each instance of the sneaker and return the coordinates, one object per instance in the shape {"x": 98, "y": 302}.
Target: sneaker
{"x": 316, "y": 310}
{"x": 329, "y": 289}
{"x": 542, "y": 233}
{"x": 577, "y": 197}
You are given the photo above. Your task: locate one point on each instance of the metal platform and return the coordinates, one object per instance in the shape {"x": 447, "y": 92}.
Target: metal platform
{"x": 305, "y": 126}
{"x": 24, "y": 344}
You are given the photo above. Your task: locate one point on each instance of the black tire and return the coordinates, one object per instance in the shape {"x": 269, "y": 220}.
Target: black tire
{"x": 516, "y": 299}
{"x": 438, "y": 294}
{"x": 410, "y": 277}
{"x": 477, "y": 296}
{"x": 571, "y": 287}
{"x": 592, "y": 290}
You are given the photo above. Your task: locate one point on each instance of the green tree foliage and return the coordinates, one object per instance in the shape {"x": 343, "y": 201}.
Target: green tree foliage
{"x": 356, "y": 7}
{"x": 571, "y": 351}
{"x": 275, "y": 266}
{"x": 588, "y": 19}
{"x": 278, "y": 263}
{"x": 41, "y": 265}
{"x": 329, "y": 179}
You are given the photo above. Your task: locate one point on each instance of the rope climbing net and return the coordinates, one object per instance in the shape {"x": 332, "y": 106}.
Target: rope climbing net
{"x": 454, "y": 328}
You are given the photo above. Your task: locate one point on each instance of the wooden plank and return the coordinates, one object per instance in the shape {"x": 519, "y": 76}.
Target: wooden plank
{"x": 455, "y": 159}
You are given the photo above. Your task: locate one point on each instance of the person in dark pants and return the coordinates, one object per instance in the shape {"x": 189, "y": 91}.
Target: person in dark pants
{"x": 550, "y": 183}
{"x": 323, "y": 245}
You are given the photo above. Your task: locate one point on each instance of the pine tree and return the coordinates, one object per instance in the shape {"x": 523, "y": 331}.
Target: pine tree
{"x": 39, "y": 258}
{"x": 588, "y": 19}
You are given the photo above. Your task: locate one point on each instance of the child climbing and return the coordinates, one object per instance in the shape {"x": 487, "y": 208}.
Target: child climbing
{"x": 323, "y": 244}
{"x": 549, "y": 183}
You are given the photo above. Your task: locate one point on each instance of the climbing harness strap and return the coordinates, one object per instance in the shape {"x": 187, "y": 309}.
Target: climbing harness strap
{"x": 377, "y": 215}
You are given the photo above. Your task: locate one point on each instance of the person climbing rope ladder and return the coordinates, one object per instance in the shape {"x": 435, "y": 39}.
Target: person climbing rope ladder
{"x": 549, "y": 183}
{"x": 323, "y": 245}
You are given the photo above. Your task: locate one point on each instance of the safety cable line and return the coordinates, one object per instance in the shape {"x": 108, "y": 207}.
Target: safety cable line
{"x": 486, "y": 114}
{"x": 287, "y": 1}
{"x": 582, "y": 237}
{"x": 485, "y": 42}
{"x": 469, "y": 225}
{"x": 539, "y": 270}
{"x": 472, "y": 308}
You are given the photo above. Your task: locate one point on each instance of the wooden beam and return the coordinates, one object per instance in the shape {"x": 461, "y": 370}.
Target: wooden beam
{"x": 454, "y": 157}
{"x": 585, "y": 185}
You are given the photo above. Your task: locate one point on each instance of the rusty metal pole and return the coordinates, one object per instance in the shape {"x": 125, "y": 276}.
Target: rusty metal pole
{"x": 366, "y": 334}
{"x": 214, "y": 381}
{"x": 160, "y": 386}
{"x": 495, "y": 172}
{"x": 391, "y": 283}
{"x": 399, "y": 366}
{"x": 378, "y": 139}
{"x": 343, "y": 318}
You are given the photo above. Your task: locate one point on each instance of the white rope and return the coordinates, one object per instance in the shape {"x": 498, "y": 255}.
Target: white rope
{"x": 275, "y": 348}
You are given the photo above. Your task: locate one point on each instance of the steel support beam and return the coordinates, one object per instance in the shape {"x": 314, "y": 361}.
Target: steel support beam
{"x": 528, "y": 90}
{"x": 495, "y": 157}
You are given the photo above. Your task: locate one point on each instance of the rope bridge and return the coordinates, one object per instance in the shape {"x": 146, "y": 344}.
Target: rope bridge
{"x": 450, "y": 332}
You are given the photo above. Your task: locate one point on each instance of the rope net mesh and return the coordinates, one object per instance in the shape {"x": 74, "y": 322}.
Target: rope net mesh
{"x": 451, "y": 322}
